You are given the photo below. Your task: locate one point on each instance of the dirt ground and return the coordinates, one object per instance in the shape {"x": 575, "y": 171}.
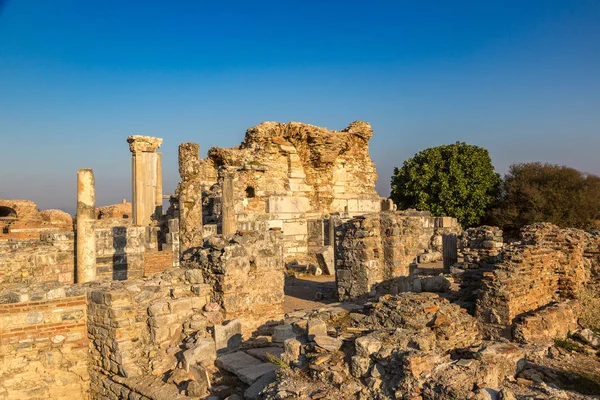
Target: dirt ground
{"x": 308, "y": 291}
{"x": 301, "y": 292}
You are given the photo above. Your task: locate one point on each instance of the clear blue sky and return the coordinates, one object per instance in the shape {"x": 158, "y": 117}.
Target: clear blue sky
{"x": 521, "y": 78}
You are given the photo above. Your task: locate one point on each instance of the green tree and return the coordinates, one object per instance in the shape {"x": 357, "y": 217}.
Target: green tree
{"x": 456, "y": 180}
{"x": 536, "y": 192}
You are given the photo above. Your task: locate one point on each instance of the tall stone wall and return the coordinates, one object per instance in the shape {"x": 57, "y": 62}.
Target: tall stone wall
{"x": 375, "y": 252}
{"x": 285, "y": 175}
{"x": 549, "y": 265}
{"x": 43, "y": 343}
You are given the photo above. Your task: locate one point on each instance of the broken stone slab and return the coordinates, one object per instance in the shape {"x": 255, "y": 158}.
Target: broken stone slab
{"x": 204, "y": 353}
{"x": 261, "y": 352}
{"x": 328, "y": 343}
{"x": 228, "y": 336}
{"x": 283, "y": 332}
{"x": 326, "y": 261}
{"x": 247, "y": 368}
{"x": 253, "y": 392}
{"x": 316, "y": 326}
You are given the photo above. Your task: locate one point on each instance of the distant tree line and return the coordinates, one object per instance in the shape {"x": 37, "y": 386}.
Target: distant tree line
{"x": 459, "y": 180}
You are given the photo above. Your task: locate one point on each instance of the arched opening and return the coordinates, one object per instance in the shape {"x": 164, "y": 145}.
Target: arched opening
{"x": 249, "y": 192}
{"x": 7, "y": 213}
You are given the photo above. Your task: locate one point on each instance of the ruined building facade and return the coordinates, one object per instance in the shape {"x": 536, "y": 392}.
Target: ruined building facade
{"x": 288, "y": 177}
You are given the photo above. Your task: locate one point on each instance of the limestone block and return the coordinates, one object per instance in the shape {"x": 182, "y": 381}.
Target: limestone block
{"x": 365, "y": 346}
{"x": 316, "y": 326}
{"x": 276, "y": 205}
{"x": 228, "y": 337}
{"x": 246, "y": 367}
{"x": 328, "y": 343}
{"x": 204, "y": 353}
{"x": 283, "y": 332}
{"x": 325, "y": 258}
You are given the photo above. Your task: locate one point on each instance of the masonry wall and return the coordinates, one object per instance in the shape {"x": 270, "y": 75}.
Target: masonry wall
{"x": 43, "y": 343}
{"x": 30, "y": 262}
{"x": 375, "y": 253}
{"x": 285, "y": 176}
{"x": 120, "y": 251}
{"x": 135, "y": 327}
{"x": 246, "y": 276}
{"x": 549, "y": 265}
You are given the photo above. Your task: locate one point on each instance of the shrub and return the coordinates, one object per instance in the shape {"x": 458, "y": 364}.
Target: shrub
{"x": 535, "y": 192}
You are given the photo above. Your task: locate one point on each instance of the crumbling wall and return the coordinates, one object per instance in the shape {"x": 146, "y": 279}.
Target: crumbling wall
{"x": 246, "y": 274}
{"x": 549, "y": 265}
{"x": 375, "y": 252}
{"x": 136, "y": 327}
{"x": 120, "y": 254}
{"x": 284, "y": 175}
{"x": 23, "y": 220}
{"x": 43, "y": 343}
{"x": 29, "y": 262}
{"x": 480, "y": 244}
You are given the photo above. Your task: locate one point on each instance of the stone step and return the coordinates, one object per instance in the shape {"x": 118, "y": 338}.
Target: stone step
{"x": 247, "y": 368}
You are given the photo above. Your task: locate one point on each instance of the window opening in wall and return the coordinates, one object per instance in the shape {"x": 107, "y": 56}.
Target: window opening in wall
{"x": 249, "y": 192}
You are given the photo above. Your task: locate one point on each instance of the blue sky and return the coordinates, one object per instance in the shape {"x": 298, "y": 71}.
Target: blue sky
{"x": 521, "y": 78}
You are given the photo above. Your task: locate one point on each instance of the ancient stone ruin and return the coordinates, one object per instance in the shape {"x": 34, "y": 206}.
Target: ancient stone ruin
{"x": 131, "y": 301}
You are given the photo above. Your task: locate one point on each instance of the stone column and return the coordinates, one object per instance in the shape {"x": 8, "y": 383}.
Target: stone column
{"x": 144, "y": 170}
{"x": 228, "y": 222}
{"x": 190, "y": 197}
{"x": 86, "y": 236}
{"x": 158, "y": 201}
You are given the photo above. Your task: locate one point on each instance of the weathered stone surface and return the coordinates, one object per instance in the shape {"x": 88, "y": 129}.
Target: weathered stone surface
{"x": 261, "y": 352}
{"x": 256, "y": 388}
{"x": 325, "y": 258}
{"x": 246, "y": 367}
{"x": 328, "y": 343}
{"x": 283, "y": 332}
{"x": 204, "y": 353}
{"x": 316, "y": 326}
{"x": 228, "y": 337}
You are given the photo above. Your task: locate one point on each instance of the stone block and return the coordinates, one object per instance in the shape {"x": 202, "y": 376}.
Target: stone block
{"x": 325, "y": 258}
{"x": 253, "y": 392}
{"x": 203, "y": 353}
{"x": 316, "y": 327}
{"x": 228, "y": 337}
{"x": 283, "y": 332}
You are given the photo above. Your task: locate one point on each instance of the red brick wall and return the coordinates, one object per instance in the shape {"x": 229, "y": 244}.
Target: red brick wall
{"x": 157, "y": 261}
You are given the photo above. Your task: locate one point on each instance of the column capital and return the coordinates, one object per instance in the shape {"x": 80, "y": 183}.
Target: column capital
{"x": 139, "y": 143}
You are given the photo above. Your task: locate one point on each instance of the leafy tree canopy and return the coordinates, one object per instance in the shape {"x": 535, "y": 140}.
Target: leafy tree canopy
{"x": 536, "y": 192}
{"x": 456, "y": 180}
